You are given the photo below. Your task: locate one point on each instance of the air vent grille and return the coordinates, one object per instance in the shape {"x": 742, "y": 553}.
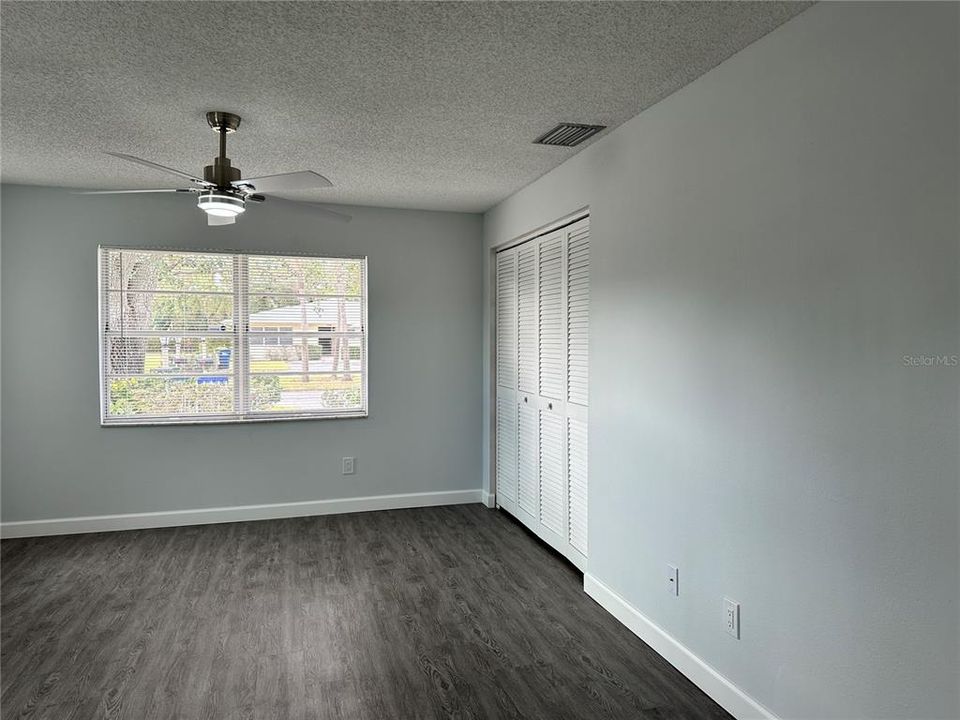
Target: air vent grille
{"x": 568, "y": 134}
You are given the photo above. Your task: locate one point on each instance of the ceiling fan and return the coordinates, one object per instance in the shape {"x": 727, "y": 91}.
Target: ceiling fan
{"x": 222, "y": 194}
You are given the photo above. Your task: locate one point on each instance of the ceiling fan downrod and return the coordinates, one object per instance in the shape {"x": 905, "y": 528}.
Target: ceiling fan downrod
{"x": 221, "y": 173}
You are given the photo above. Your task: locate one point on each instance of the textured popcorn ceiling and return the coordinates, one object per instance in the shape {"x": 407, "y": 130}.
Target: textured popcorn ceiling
{"x": 420, "y": 105}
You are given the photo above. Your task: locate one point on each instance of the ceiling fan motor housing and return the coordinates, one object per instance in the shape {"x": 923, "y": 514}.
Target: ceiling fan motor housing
{"x": 221, "y": 173}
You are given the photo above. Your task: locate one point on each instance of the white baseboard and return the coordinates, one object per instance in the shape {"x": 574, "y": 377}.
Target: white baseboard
{"x": 725, "y": 693}
{"x": 488, "y": 498}
{"x": 206, "y": 516}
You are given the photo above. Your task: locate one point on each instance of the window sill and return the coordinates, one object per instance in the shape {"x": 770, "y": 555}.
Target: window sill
{"x": 146, "y": 422}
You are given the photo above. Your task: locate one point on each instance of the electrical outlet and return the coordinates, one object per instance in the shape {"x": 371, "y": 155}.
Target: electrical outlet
{"x": 673, "y": 580}
{"x": 731, "y": 617}
{"x": 348, "y": 463}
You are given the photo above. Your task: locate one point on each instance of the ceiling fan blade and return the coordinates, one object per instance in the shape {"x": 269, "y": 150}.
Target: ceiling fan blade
{"x": 156, "y": 166}
{"x": 217, "y": 220}
{"x": 129, "y": 192}
{"x": 332, "y": 214}
{"x": 286, "y": 182}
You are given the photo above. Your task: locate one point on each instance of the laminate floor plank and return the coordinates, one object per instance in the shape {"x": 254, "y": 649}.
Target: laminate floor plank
{"x": 447, "y": 612}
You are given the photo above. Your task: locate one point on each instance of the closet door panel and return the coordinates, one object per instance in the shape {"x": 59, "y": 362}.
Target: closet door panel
{"x": 577, "y": 484}
{"x": 528, "y": 497}
{"x": 506, "y": 344}
{"x": 578, "y": 308}
{"x": 507, "y": 435}
{"x": 527, "y": 317}
{"x": 578, "y": 335}
{"x": 552, "y": 473}
{"x": 507, "y": 320}
{"x": 550, "y": 311}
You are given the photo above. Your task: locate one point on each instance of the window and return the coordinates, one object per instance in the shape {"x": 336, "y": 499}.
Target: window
{"x": 189, "y": 337}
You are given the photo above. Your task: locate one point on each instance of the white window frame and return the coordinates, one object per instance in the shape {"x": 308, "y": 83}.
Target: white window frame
{"x": 241, "y": 344}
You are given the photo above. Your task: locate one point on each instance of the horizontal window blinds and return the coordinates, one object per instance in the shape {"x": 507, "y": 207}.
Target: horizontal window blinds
{"x": 204, "y": 337}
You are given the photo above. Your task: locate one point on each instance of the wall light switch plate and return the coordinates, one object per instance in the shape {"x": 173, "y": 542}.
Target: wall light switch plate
{"x": 348, "y": 463}
{"x": 673, "y": 580}
{"x": 731, "y": 617}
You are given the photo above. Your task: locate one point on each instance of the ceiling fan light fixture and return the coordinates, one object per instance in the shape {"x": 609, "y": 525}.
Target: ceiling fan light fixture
{"x": 220, "y": 204}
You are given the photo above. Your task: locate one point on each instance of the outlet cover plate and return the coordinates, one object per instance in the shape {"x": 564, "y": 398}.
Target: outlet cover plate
{"x": 673, "y": 580}
{"x": 731, "y": 617}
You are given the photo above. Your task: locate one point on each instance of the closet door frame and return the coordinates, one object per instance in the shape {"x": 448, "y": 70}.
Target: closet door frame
{"x": 561, "y": 544}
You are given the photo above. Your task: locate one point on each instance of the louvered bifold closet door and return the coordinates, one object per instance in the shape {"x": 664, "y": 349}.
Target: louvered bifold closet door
{"x": 543, "y": 300}
{"x": 577, "y": 332}
{"x": 506, "y": 340}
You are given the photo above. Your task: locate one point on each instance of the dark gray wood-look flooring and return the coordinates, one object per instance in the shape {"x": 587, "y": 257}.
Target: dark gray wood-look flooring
{"x": 452, "y": 612}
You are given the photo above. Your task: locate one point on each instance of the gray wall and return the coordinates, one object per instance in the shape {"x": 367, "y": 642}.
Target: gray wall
{"x": 768, "y": 244}
{"x": 425, "y": 364}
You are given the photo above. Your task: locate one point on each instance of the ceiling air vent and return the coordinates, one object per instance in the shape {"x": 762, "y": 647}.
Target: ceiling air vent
{"x": 568, "y": 134}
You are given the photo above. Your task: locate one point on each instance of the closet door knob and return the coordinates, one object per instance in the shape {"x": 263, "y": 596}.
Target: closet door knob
{"x": 549, "y": 406}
